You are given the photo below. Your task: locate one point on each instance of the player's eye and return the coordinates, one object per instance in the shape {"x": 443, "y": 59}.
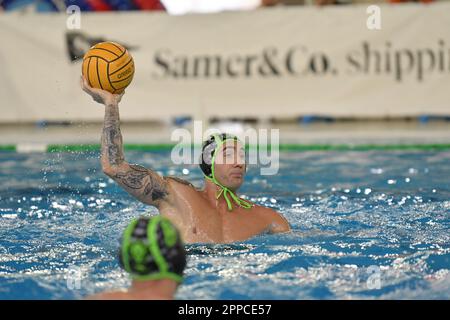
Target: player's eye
{"x": 229, "y": 153}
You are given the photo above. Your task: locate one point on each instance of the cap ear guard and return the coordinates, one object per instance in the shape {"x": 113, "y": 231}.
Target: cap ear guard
{"x": 208, "y": 150}
{"x": 169, "y": 233}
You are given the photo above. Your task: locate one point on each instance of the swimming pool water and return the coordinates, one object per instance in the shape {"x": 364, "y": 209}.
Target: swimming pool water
{"x": 365, "y": 225}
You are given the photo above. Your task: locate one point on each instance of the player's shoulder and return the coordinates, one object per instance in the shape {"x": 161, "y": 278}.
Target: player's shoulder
{"x": 270, "y": 213}
{"x": 265, "y": 210}
{"x": 178, "y": 180}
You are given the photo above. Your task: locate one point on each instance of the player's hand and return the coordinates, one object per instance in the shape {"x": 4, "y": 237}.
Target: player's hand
{"x": 100, "y": 96}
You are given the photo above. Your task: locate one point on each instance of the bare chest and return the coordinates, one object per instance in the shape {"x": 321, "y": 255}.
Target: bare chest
{"x": 199, "y": 221}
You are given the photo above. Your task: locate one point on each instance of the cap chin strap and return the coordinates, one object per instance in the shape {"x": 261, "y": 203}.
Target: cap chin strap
{"x": 224, "y": 190}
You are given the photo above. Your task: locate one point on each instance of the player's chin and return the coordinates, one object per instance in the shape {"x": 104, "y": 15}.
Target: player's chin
{"x": 236, "y": 181}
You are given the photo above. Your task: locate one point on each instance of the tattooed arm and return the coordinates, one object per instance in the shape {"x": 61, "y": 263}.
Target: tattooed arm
{"x": 144, "y": 184}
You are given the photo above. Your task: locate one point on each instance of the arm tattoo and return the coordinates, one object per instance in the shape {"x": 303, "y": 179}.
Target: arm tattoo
{"x": 112, "y": 147}
{"x": 155, "y": 189}
{"x": 138, "y": 168}
{"x": 132, "y": 179}
{"x": 140, "y": 182}
{"x": 143, "y": 181}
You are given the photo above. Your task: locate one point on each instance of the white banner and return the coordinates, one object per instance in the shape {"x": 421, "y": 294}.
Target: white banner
{"x": 282, "y": 62}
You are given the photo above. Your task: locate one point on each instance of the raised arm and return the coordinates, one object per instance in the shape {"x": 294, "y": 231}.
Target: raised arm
{"x": 144, "y": 184}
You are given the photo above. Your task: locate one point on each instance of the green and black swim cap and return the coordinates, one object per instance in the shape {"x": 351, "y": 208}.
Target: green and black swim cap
{"x": 209, "y": 151}
{"x": 152, "y": 250}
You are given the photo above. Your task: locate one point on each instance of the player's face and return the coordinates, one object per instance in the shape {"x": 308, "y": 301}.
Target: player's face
{"x": 229, "y": 165}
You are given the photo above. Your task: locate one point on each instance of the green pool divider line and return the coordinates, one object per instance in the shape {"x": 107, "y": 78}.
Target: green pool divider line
{"x": 73, "y": 147}
{"x": 149, "y": 147}
{"x": 96, "y": 147}
{"x": 282, "y": 147}
{"x": 7, "y": 147}
{"x": 361, "y": 147}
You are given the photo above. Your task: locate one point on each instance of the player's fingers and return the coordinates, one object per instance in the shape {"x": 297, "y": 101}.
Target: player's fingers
{"x": 119, "y": 96}
{"x": 85, "y": 85}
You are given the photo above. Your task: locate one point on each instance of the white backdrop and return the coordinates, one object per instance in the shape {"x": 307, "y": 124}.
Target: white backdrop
{"x": 278, "y": 62}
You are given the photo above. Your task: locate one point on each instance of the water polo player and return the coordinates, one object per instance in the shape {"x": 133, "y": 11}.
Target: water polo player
{"x": 153, "y": 253}
{"x": 212, "y": 215}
